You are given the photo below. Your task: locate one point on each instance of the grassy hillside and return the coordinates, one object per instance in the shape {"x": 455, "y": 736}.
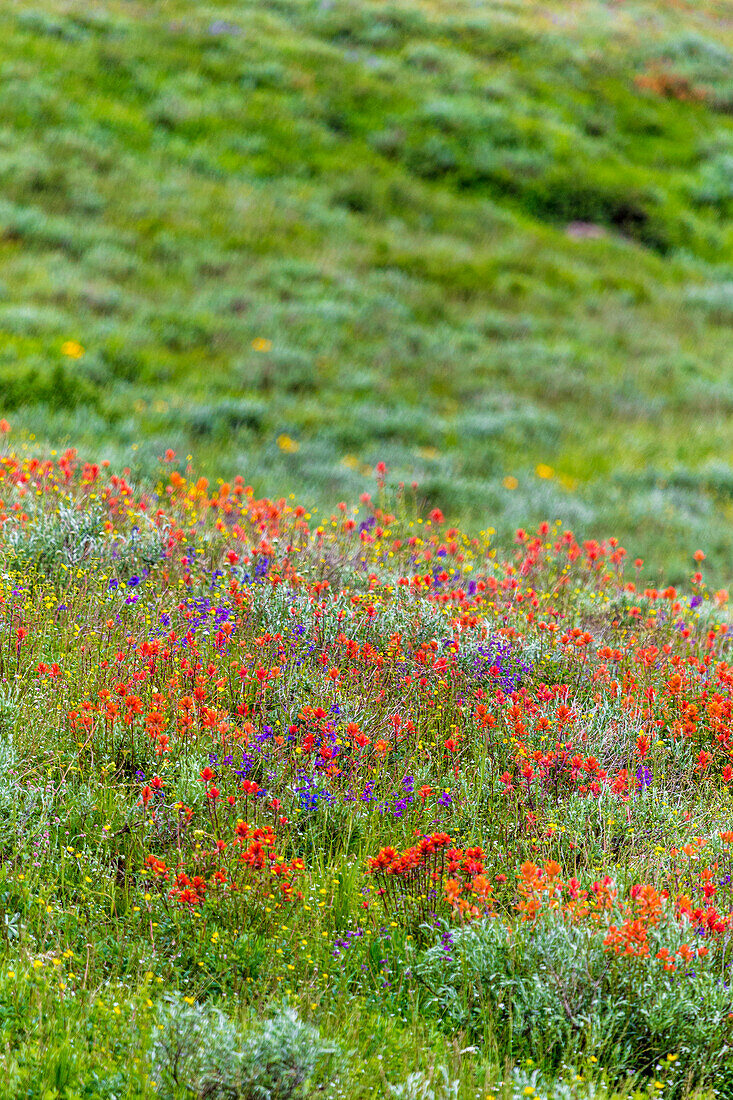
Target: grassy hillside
{"x": 490, "y": 245}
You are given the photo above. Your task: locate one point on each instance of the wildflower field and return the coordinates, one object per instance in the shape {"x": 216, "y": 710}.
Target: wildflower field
{"x": 365, "y": 528}
{"x": 351, "y": 803}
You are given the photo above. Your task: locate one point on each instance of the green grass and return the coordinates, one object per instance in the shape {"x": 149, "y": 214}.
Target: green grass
{"x": 383, "y": 192}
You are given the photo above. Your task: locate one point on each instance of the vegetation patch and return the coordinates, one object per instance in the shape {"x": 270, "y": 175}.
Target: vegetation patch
{"x": 352, "y": 803}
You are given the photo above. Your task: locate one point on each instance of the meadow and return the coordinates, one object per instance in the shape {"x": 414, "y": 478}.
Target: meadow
{"x": 366, "y": 481}
{"x": 353, "y": 805}
{"x": 487, "y": 244}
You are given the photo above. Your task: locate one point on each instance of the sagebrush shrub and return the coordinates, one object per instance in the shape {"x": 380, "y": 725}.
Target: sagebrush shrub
{"x": 548, "y": 991}
{"x": 199, "y": 1051}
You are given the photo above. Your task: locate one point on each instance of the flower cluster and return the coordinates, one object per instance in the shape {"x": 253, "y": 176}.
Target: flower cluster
{"x": 414, "y": 882}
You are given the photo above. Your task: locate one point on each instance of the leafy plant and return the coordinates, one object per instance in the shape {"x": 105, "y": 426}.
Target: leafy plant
{"x": 198, "y": 1051}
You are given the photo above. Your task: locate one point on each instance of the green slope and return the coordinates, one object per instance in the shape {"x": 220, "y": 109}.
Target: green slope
{"x": 384, "y": 195}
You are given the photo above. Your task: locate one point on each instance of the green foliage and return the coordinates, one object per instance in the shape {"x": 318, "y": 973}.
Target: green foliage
{"x": 284, "y": 1058}
{"x": 195, "y": 1052}
{"x": 544, "y": 993}
{"x": 198, "y": 1051}
{"x": 422, "y": 1086}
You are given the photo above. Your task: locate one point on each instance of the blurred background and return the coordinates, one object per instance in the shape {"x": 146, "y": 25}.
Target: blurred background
{"x": 487, "y": 243}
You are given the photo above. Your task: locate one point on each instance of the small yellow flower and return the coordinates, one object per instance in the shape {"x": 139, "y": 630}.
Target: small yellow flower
{"x": 544, "y": 471}
{"x": 261, "y": 343}
{"x": 72, "y": 348}
{"x": 510, "y": 483}
{"x": 189, "y": 1000}
{"x": 285, "y": 443}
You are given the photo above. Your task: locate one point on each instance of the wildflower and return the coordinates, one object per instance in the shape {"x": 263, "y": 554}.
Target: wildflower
{"x": 674, "y": 684}
{"x": 288, "y": 445}
{"x": 72, "y": 349}
{"x": 643, "y": 777}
